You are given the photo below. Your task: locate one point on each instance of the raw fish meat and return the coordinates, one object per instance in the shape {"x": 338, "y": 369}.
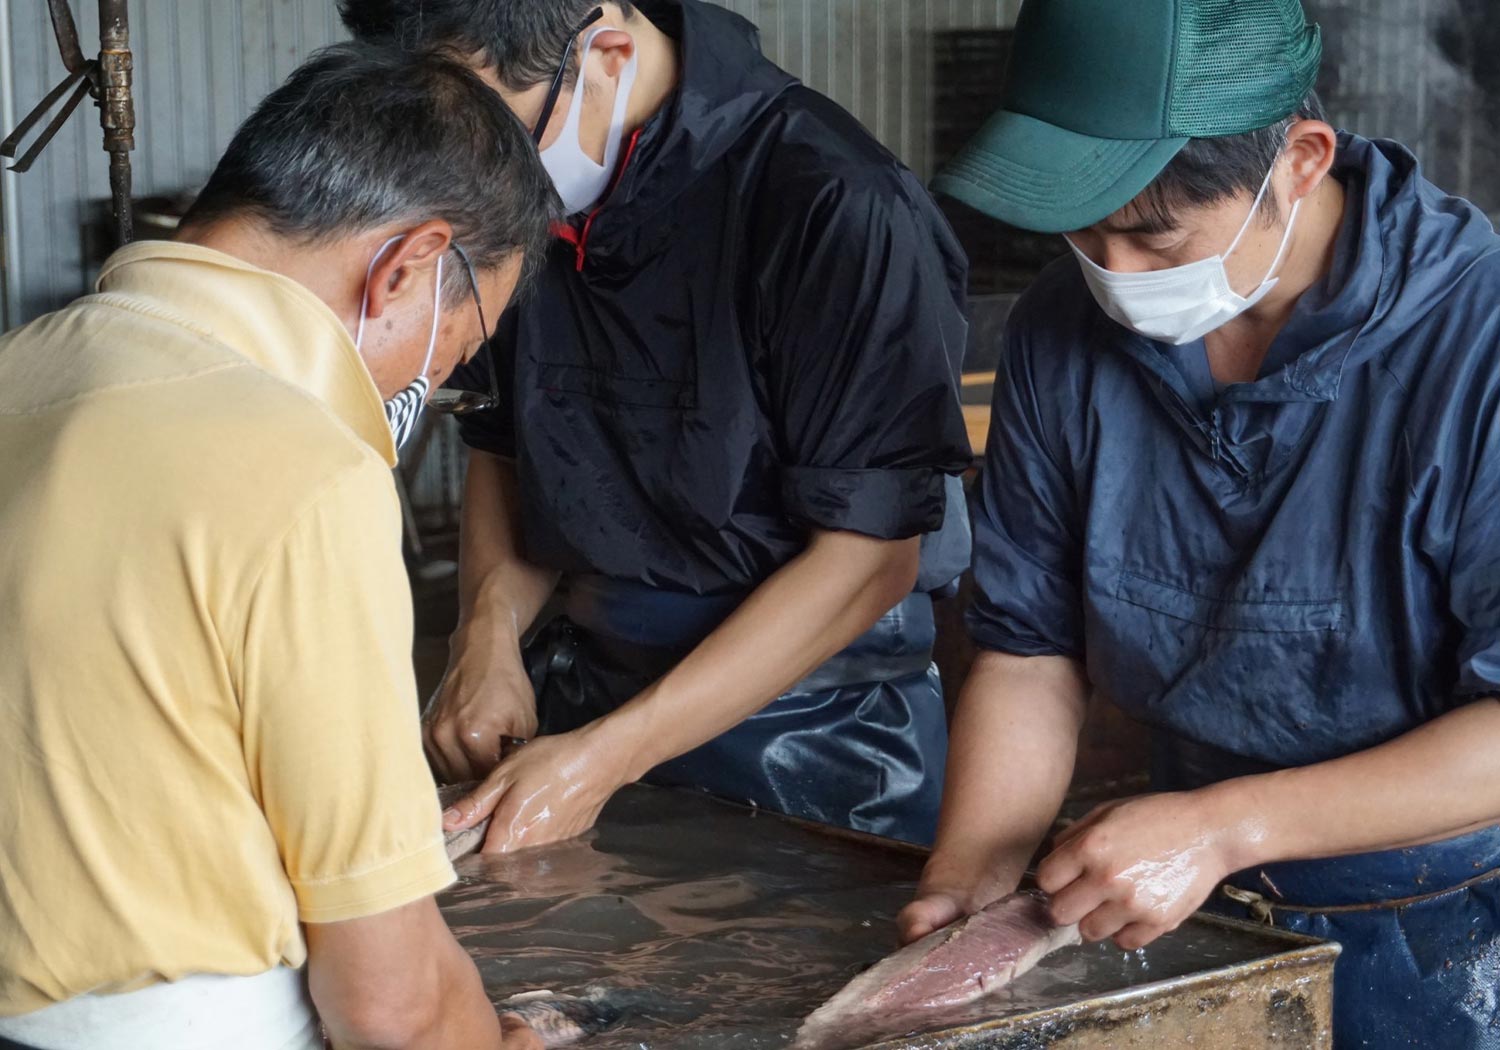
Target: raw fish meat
{"x": 948, "y": 968}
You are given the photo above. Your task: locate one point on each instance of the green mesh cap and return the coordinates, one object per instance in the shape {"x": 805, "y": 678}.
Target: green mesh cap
{"x": 1102, "y": 94}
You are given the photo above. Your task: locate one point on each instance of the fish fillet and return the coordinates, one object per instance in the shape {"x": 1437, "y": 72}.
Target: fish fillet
{"x": 948, "y": 968}
{"x": 461, "y": 843}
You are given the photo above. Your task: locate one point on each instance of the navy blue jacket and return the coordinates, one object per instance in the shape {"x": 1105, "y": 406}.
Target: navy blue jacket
{"x": 1307, "y": 566}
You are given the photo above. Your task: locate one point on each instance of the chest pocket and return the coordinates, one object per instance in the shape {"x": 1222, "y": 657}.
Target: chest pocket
{"x": 1272, "y": 678}
{"x": 636, "y": 329}
{"x": 1265, "y": 617}
{"x": 612, "y": 388}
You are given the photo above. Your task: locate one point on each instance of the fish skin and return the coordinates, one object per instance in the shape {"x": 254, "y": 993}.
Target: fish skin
{"x": 948, "y": 968}
{"x": 461, "y": 843}
{"x": 563, "y": 1020}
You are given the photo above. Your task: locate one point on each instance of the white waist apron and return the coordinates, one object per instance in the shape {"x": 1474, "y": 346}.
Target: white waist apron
{"x": 270, "y": 1011}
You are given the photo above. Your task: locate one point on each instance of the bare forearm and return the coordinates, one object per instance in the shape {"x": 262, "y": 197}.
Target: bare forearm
{"x": 807, "y": 611}
{"x": 1434, "y": 782}
{"x": 462, "y": 1014}
{"x": 1010, "y": 759}
{"x": 398, "y": 980}
{"x": 499, "y": 590}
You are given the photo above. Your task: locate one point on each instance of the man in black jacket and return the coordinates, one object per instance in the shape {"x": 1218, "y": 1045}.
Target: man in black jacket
{"x": 728, "y": 436}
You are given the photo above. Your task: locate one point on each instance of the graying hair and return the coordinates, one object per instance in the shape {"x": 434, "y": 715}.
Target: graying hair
{"x": 361, "y": 137}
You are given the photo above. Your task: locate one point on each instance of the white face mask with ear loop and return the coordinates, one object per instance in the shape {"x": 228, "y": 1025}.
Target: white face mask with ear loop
{"x": 401, "y": 411}
{"x": 580, "y": 180}
{"x": 1183, "y": 304}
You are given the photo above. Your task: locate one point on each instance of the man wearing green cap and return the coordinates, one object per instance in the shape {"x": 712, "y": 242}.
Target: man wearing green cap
{"x": 1243, "y": 479}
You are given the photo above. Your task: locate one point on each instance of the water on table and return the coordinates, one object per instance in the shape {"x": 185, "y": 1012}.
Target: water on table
{"x": 722, "y": 928}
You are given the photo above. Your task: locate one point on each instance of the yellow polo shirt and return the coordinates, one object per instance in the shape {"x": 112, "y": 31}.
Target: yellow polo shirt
{"x": 208, "y": 719}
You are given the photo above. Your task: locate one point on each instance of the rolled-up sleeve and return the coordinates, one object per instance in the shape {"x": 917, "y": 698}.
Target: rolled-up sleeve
{"x": 329, "y": 710}
{"x": 863, "y": 311}
{"x": 1027, "y": 537}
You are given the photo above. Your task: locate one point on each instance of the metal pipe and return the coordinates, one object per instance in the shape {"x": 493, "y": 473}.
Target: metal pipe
{"x": 117, "y": 109}
{"x": 10, "y": 225}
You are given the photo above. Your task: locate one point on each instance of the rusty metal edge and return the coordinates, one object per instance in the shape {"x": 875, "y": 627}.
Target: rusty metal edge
{"x": 1314, "y": 953}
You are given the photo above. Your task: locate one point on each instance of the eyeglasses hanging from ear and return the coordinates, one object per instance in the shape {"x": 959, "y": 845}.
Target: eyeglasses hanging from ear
{"x": 462, "y": 402}
{"x": 548, "y": 106}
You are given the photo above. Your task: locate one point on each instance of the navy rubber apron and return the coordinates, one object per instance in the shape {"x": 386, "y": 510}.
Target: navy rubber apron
{"x": 1420, "y": 927}
{"x": 860, "y": 743}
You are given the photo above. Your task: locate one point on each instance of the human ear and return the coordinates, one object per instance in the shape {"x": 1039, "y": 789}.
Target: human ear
{"x": 1311, "y": 147}
{"x": 407, "y": 266}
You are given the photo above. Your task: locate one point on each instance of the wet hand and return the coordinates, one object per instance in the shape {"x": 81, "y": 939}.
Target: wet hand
{"x": 551, "y": 789}
{"x": 929, "y": 912}
{"x": 954, "y": 887}
{"x": 1136, "y": 869}
{"x": 485, "y": 695}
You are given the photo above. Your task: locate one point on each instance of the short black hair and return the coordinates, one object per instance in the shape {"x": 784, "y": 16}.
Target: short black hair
{"x": 1212, "y": 170}
{"x": 523, "y": 40}
{"x": 363, "y": 136}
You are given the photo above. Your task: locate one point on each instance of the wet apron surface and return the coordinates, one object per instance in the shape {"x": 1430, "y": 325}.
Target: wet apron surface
{"x": 1420, "y": 927}
{"x": 859, "y": 743}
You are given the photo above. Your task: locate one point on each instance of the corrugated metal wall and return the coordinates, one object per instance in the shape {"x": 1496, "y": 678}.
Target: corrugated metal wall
{"x": 202, "y": 64}
{"x": 1422, "y": 72}
{"x": 873, "y": 56}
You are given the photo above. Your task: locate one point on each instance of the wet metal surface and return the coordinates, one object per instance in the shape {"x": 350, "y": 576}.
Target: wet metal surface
{"x": 716, "y": 927}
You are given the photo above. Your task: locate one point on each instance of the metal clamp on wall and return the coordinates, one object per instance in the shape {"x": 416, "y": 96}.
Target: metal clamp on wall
{"x": 108, "y": 80}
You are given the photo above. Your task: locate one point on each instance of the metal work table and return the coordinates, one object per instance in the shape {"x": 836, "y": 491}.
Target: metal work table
{"x": 721, "y": 927}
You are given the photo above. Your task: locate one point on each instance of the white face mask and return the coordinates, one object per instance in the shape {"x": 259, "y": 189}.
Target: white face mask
{"x": 580, "y": 180}
{"x": 401, "y": 411}
{"x": 1184, "y": 303}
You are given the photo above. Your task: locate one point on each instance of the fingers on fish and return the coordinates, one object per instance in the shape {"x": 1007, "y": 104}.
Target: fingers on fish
{"x": 948, "y": 968}
{"x": 563, "y": 1020}
{"x": 461, "y": 843}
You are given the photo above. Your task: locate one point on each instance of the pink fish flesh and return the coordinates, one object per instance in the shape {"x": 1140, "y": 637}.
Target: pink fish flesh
{"x": 461, "y": 843}
{"x": 948, "y": 968}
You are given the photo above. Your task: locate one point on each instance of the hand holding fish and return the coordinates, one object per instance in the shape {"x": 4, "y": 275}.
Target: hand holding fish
{"x": 953, "y": 888}
{"x": 1137, "y": 868}
{"x": 549, "y": 790}
{"x": 485, "y": 695}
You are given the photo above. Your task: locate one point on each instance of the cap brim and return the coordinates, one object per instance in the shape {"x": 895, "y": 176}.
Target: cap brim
{"x": 1041, "y": 177}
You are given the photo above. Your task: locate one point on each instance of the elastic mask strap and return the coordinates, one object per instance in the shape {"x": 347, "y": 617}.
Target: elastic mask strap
{"x": 1254, "y": 208}
{"x": 437, "y": 302}
{"x": 364, "y": 301}
{"x": 575, "y": 105}
{"x": 1286, "y": 241}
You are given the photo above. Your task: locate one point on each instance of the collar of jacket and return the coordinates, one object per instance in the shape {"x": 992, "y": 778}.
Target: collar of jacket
{"x": 724, "y": 84}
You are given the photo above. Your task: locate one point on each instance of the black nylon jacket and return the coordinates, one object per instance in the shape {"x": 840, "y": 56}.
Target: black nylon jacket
{"x": 759, "y": 331}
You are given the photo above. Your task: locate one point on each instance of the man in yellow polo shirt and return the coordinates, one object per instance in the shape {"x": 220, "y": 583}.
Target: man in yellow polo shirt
{"x": 210, "y": 764}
